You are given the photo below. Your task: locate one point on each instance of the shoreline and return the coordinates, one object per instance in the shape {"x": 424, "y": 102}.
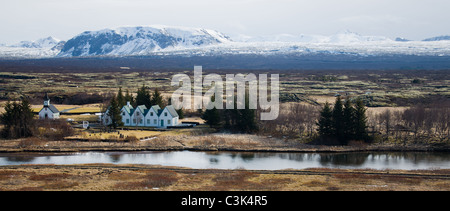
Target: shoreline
{"x": 305, "y": 149}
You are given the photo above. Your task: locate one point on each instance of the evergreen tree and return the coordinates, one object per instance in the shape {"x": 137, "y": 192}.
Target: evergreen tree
{"x": 325, "y": 123}
{"x": 360, "y": 121}
{"x": 338, "y": 119}
{"x": 246, "y": 121}
{"x": 114, "y": 114}
{"x": 128, "y": 97}
{"x": 212, "y": 116}
{"x": 26, "y": 116}
{"x": 143, "y": 97}
{"x": 348, "y": 122}
{"x": 157, "y": 99}
{"x": 18, "y": 120}
{"x": 120, "y": 98}
{"x": 180, "y": 113}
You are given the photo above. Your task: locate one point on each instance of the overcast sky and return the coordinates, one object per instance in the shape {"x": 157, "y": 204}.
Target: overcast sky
{"x": 63, "y": 19}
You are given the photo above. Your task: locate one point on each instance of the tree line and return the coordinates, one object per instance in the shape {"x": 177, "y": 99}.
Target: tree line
{"x": 419, "y": 124}
{"x": 343, "y": 123}
{"x": 236, "y": 120}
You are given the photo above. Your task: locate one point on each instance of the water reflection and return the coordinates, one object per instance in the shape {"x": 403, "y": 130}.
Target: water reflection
{"x": 352, "y": 159}
{"x": 20, "y": 159}
{"x": 247, "y": 160}
{"x": 115, "y": 158}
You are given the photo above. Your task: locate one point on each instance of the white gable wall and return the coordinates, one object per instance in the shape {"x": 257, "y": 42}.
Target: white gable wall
{"x": 50, "y": 115}
{"x": 126, "y": 119}
{"x": 166, "y": 119}
{"x": 137, "y": 118}
{"x": 151, "y": 118}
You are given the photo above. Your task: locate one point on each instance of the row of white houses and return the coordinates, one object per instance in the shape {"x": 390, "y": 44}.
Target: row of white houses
{"x": 145, "y": 117}
{"x": 139, "y": 116}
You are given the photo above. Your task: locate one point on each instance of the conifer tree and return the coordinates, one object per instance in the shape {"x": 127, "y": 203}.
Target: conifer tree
{"x": 325, "y": 123}
{"x": 120, "y": 98}
{"x": 247, "y": 118}
{"x": 212, "y": 116}
{"x": 338, "y": 118}
{"x": 129, "y": 97}
{"x": 360, "y": 121}
{"x": 348, "y": 122}
{"x": 143, "y": 97}
{"x": 114, "y": 114}
{"x": 18, "y": 120}
{"x": 157, "y": 99}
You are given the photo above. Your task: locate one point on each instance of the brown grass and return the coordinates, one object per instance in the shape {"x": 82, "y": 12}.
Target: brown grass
{"x": 152, "y": 179}
{"x": 143, "y": 177}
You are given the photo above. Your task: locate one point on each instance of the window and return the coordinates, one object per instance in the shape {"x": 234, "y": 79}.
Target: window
{"x": 151, "y": 113}
{"x": 134, "y": 121}
{"x": 155, "y": 122}
{"x": 123, "y": 113}
{"x": 140, "y": 121}
{"x": 137, "y": 113}
{"x": 165, "y": 113}
{"x": 128, "y": 121}
{"x": 168, "y": 121}
{"x": 148, "y": 121}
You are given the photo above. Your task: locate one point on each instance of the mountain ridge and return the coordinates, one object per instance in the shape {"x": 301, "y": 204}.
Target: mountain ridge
{"x": 170, "y": 40}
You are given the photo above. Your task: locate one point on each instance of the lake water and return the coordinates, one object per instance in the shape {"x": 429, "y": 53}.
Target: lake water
{"x": 245, "y": 160}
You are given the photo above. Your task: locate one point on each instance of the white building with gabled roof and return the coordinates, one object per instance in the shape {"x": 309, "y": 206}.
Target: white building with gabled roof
{"x": 126, "y": 113}
{"x": 49, "y": 111}
{"x": 151, "y": 116}
{"x": 168, "y": 117}
{"x": 137, "y": 116}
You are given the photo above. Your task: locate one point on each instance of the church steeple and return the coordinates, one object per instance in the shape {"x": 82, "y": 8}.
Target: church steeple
{"x": 46, "y": 100}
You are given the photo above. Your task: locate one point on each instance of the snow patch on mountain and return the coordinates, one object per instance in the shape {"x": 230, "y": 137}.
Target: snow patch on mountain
{"x": 439, "y": 38}
{"x": 41, "y": 48}
{"x": 139, "y": 40}
{"x": 186, "y": 41}
{"x": 47, "y": 42}
{"x": 345, "y": 36}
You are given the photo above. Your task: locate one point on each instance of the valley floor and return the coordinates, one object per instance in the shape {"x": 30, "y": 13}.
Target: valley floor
{"x": 106, "y": 177}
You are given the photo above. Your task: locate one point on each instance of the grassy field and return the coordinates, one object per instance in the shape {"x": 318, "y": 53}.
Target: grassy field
{"x": 379, "y": 88}
{"x": 105, "y": 177}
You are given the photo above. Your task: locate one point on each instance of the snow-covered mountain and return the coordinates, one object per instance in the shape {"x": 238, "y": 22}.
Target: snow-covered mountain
{"x": 47, "y": 42}
{"x": 139, "y": 40}
{"x": 345, "y": 36}
{"x": 41, "y": 48}
{"x": 439, "y": 38}
{"x": 169, "y": 40}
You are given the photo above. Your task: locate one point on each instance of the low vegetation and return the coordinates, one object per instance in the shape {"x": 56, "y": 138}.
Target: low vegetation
{"x": 107, "y": 177}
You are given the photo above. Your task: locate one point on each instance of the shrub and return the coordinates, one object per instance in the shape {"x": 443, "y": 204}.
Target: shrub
{"x": 54, "y": 130}
{"x": 32, "y": 141}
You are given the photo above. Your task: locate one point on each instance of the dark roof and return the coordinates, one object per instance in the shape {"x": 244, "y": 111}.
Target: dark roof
{"x": 172, "y": 111}
{"x": 52, "y": 108}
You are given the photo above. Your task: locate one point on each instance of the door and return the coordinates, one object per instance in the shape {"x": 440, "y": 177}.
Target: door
{"x": 162, "y": 123}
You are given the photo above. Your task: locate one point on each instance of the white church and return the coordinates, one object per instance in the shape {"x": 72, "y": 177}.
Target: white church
{"x": 145, "y": 117}
{"x": 49, "y": 111}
